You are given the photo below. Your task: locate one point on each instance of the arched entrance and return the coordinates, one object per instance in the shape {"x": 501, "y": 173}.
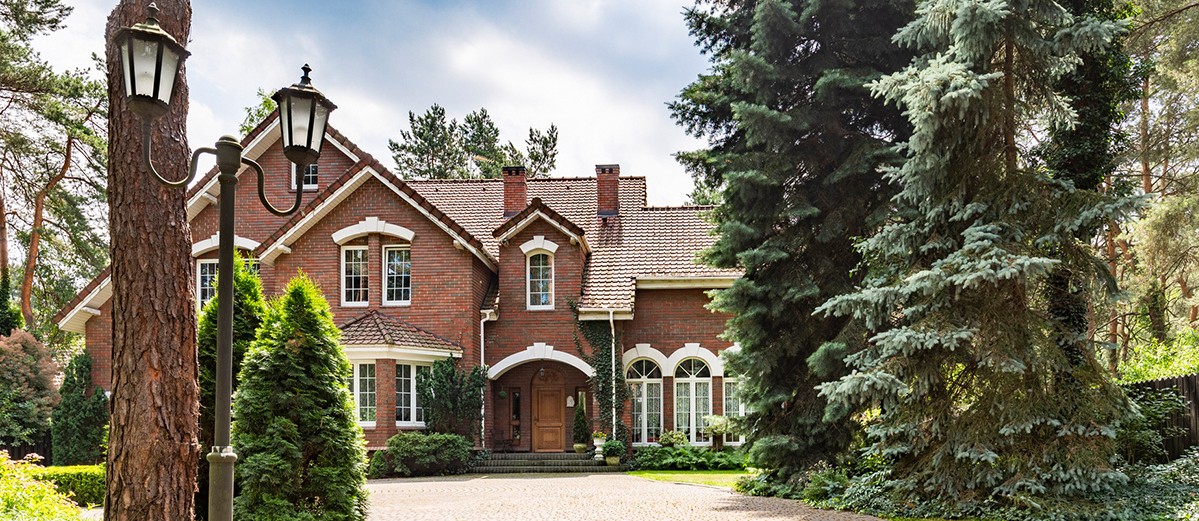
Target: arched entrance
{"x": 549, "y": 410}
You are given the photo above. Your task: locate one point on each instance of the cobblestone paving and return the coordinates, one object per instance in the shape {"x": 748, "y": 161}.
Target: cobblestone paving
{"x": 607, "y": 497}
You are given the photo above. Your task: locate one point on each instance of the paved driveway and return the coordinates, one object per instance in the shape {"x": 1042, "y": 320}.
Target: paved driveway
{"x": 606, "y": 497}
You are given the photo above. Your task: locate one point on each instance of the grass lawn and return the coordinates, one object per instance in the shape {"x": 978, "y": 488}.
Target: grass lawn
{"x": 716, "y": 478}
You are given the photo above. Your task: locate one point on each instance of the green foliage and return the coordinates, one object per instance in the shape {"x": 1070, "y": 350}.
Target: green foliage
{"x": 79, "y": 423}
{"x": 10, "y": 313}
{"x": 581, "y": 425}
{"x": 24, "y": 497}
{"x": 613, "y": 448}
{"x": 452, "y": 398}
{"x": 421, "y": 454}
{"x": 301, "y": 454}
{"x": 604, "y": 359}
{"x": 435, "y": 147}
{"x": 1141, "y": 439}
{"x": 379, "y": 467}
{"x": 256, "y": 113}
{"x": 27, "y": 394}
{"x": 796, "y": 147}
{"x": 82, "y": 483}
{"x": 249, "y": 306}
{"x": 1152, "y": 360}
{"x": 824, "y": 484}
{"x": 673, "y": 439}
{"x": 685, "y": 457}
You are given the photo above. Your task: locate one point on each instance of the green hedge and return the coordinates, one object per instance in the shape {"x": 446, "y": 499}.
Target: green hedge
{"x": 687, "y": 458}
{"x": 84, "y": 483}
{"x": 25, "y": 497}
{"x": 420, "y": 454}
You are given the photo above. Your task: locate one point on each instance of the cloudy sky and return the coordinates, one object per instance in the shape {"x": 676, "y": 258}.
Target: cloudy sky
{"x": 602, "y": 70}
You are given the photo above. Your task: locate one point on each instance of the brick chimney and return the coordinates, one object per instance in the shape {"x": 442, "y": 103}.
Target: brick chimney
{"x": 607, "y": 184}
{"x": 516, "y": 192}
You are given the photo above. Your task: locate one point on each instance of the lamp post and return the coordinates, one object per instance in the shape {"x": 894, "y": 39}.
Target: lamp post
{"x": 150, "y": 60}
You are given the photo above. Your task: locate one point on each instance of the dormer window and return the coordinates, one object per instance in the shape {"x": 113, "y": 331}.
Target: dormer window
{"x": 309, "y": 175}
{"x": 539, "y": 273}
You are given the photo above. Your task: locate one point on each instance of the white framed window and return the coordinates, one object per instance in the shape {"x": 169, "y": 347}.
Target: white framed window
{"x": 253, "y": 265}
{"x": 733, "y": 408}
{"x": 397, "y": 275}
{"x": 645, "y": 381}
{"x": 206, "y": 270}
{"x": 409, "y": 412}
{"x": 310, "y": 177}
{"x": 362, "y": 386}
{"x": 353, "y": 276}
{"x": 692, "y": 398}
{"x": 540, "y": 278}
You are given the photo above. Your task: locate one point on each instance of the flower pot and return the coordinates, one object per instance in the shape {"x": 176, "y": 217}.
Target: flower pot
{"x": 598, "y": 442}
{"x": 612, "y": 460}
{"x": 580, "y": 448}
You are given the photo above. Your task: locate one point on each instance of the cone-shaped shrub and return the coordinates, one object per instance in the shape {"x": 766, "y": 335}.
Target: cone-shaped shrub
{"x": 301, "y": 456}
{"x": 78, "y": 424}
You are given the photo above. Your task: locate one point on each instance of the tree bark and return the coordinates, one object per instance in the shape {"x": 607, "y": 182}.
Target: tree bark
{"x": 1187, "y": 293}
{"x": 1009, "y": 96}
{"x": 1146, "y": 172}
{"x": 152, "y": 452}
{"x": 3, "y": 213}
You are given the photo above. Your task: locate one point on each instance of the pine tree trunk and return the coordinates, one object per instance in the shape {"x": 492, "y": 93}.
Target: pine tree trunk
{"x": 152, "y": 452}
{"x": 1146, "y": 172}
{"x": 1188, "y": 293}
{"x": 1009, "y": 96}
{"x": 3, "y": 215}
{"x": 35, "y": 232}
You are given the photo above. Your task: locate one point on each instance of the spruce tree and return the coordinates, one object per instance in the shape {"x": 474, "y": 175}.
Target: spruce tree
{"x": 301, "y": 455}
{"x": 796, "y": 142}
{"x": 77, "y": 425}
{"x": 248, "y": 308}
{"x": 963, "y": 364}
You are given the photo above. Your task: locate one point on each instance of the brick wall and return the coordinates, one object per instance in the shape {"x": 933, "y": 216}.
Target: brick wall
{"x": 98, "y": 337}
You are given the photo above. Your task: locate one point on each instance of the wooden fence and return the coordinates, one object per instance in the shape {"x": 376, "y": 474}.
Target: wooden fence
{"x": 41, "y": 448}
{"x": 1188, "y": 386}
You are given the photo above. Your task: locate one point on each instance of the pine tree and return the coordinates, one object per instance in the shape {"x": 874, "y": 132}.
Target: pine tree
{"x": 963, "y": 364}
{"x": 452, "y": 399}
{"x": 439, "y": 147}
{"x": 796, "y": 141}
{"x": 301, "y": 454}
{"x": 248, "y": 308}
{"x": 79, "y": 422}
{"x": 10, "y": 314}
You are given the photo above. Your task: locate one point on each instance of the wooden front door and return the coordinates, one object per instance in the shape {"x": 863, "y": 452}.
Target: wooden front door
{"x": 549, "y": 414}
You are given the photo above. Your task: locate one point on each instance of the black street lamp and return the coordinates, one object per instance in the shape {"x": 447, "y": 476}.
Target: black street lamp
{"x": 150, "y": 60}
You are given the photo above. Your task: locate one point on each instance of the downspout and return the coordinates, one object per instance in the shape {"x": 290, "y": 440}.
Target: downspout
{"x": 483, "y": 363}
{"x": 612, "y": 329}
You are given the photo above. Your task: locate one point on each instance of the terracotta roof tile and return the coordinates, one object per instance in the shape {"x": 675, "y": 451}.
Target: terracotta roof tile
{"x": 374, "y": 328}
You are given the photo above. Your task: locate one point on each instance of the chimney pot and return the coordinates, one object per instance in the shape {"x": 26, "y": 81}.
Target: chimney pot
{"x": 607, "y": 180}
{"x": 516, "y": 191}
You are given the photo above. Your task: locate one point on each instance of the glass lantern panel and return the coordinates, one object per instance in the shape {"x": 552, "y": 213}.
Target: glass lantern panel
{"x": 145, "y": 61}
{"x": 126, "y": 60}
{"x": 318, "y": 127}
{"x": 285, "y": 121}
{"x": 300, "y": 108}
{"x": 166, "y": 80}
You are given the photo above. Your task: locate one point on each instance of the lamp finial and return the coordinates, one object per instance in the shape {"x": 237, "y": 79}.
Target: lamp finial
{"x": 305, "y": 80}
{"x": 152, "y": 13}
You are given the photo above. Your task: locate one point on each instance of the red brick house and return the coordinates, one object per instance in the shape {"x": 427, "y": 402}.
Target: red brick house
{"x": 485, "y": 270}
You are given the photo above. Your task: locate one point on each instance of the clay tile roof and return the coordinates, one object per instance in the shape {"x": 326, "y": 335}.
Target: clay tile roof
{"x": 374, "y": 328}
{"x": 537, "y": 206}
{"x": 83, "y": 293}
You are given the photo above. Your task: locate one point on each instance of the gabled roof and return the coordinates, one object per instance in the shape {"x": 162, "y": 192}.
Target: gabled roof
{"x": 538, "y": 210}
{"x": 376, "y": 329}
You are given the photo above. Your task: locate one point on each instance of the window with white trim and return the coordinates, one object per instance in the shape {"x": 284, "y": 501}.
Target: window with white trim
{"x": 692, "y": 398}
{"x": 309, "y": 175}
{"x": 645, "y": 381}
{"x": 362, "y": 386}
{"x": 409, "y": 411}
{"x": 353, "y": 276}
{"x": 540, "y": 281}
{"x": 733, "y": 408}
{"x": 397, "y": 275}
{"x": 206, "y": 270}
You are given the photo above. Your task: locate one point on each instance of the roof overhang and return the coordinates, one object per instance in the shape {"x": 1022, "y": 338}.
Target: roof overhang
{"x": 575, "y": 238}
{"x": 399, "y": 352}
{"x": 676, "y": 282}
{"x": 75, "y": 320}
{"x": 605, "y": 313}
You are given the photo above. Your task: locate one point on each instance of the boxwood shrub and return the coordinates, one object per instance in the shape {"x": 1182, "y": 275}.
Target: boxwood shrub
{"x": 83, "y": 483}
{"x": 685, "y": 457}
{"x": 421, "y": 454}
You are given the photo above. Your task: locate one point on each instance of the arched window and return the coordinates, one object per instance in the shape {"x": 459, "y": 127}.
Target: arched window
{"x": 540, "y": 281}
{"x": 645, "y": 381}
{"x": 692, "y": 398}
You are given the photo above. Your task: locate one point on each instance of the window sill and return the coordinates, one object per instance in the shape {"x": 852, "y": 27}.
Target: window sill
{"x": 355, "y": 304}
{"x": 308, "y": 189}
{"x": 410, "y": 425}
{"x": 539, "y": 308}
{"x": 398, "y": 304}
{"x": 366, "y": 425}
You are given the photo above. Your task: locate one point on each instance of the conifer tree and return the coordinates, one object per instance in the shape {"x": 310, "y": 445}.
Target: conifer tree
{"x": 300, "y": 453}
{"x": 796, "y": 141}
{"x": 248, "y": 308}
{"x": 77, "y": 425}
{"x": 10, "y": 314}
{"x": 963, "y": 364}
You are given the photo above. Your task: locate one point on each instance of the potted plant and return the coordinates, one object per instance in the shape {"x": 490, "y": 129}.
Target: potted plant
{"x": 613, "y": 451}
{"x": 717, "y": 427}
{"x": 598, "y": 438}
{"x": 672, "y": 438}
{"x": 580, "y": 430}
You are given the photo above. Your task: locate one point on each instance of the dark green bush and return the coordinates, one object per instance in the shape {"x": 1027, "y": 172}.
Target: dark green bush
{"x": 83, "y": 483}
{"x": 1141, "y": 439}
{"x": 420, "y": 454}
{"x": 686, "y": 457}
{"x": 379, "y": 467}
{"x": 79, "y": 423}
{"x": 582, "y": 428}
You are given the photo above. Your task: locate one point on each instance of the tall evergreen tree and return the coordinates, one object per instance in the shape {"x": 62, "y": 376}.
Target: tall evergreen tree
{"x": 77, "y": 425}
{"x": 248, "y": 309}
{"x": 964, "y": 363}
{"x": 301, "y": 454}
{"x": 439, "y": 147}
{"x": 797, "y": 142}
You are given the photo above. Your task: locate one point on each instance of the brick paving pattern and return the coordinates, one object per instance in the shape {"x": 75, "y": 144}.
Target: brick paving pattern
{"x": 606, "y": 497}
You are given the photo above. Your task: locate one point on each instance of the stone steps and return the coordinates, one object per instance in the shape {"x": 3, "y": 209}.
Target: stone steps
{"x": 556, "y": 462}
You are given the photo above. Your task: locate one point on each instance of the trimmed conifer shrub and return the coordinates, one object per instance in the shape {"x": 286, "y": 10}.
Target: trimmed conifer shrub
{"x": 301, "y": 454}
{"x": 78, "y": 424}
{"x": 452, "y": 398}
{"x": 582, "y": 428}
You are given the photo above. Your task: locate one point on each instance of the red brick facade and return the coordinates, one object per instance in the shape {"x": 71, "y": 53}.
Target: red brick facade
{"x": 462, "y": 282}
